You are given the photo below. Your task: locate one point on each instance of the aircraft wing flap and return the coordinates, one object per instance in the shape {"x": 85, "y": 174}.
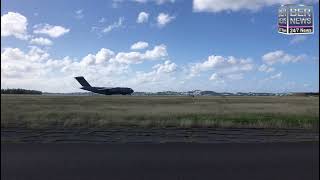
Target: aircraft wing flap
{"x": 102, "y": 88}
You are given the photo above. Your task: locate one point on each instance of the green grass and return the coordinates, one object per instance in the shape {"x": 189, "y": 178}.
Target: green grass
{"x": 105, "y": 111}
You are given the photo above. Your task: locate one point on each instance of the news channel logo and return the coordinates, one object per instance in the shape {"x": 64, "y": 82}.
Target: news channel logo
{"x": 295, "y": 19}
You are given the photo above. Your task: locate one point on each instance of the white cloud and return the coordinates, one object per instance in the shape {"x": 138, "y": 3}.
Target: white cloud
{"x": 236, "y": 76}
{"x": 160, "y": 72}
{"x": 164, "y": 19}
{"x": 17, "y": 64}
{"x": 158, "y": 52}
{"x": 141, "y": 1}
{"x": 114, "y": 25}
{"x": 276, "y": 76}
{"x": 102, "y": 20}
{"x": 223, "y": 66}
{"x": 23, "y": 69}
{"x": 142, "y": 17}
{"x": 219, "y": 78}
{"x": 102, "y": 56}
{"x": 88, "y": 60}
{"x": 145, "y": 77}
{"x": 280, "y": 56}
{"x": 166, "y": 67}
{"x": 79, "y": 14}
{"x": 159, "y": 2}
{"x": 52, "y": 31}
{"x": 164, "y": 1}
{"x": 14, "y": 24}
{"x": 231, "y": 5}
{"x": 297, "y": 39}
{"x": 266, "y": 68}
{"x": 214, "y": 77}
{"x": 139, "y": 45}
{"x": 12, "y": 53}
{"x": 41, "y": 41}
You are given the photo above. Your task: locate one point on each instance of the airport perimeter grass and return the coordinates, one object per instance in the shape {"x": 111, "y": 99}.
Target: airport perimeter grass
{"x": 34, "y": 111}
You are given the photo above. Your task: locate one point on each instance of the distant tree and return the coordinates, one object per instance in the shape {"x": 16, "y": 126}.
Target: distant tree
{"x": 20, "y": 91}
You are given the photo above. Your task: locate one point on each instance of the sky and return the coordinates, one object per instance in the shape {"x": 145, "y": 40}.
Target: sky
{"x": 156, "y": 45}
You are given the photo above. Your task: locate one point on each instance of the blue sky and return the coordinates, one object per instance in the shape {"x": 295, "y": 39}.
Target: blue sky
{"x": 180, "y": 45}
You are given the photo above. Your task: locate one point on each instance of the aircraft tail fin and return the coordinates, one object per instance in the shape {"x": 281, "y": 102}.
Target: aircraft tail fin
{"x": 82, "y": 81}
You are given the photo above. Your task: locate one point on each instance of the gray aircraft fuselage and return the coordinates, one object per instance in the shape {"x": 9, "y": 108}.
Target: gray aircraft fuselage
{"x": 109, "y": 91}
{"x": 103, "y": 90}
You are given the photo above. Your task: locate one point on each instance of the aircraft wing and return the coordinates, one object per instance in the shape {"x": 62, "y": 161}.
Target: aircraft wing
{"x": 102, "y": 88}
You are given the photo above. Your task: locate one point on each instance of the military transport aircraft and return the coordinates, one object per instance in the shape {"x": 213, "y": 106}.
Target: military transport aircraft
{"x": 103, "y": 90}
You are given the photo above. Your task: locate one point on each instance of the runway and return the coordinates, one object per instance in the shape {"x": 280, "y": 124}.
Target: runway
{"x": 67, "y": 161}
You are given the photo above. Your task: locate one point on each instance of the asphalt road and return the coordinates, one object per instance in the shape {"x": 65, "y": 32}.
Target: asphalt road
{"x": 161, "y": 161}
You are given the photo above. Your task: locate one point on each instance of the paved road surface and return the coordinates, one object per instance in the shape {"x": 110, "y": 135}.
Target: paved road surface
{"x": 158, "y": 135}
{"x": 161, "y": 161}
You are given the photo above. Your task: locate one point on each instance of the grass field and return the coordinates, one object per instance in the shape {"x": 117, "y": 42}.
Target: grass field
{"x": 34, "y": 111}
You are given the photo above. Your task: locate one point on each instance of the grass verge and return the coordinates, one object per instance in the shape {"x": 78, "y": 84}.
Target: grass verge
{"x": 106, "y": 111}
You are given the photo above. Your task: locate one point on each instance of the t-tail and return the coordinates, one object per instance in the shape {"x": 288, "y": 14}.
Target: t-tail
{"x": 82, "y": 81}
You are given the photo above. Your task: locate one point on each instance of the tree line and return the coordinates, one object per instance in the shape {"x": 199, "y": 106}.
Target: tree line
{"x": 19, "y": 91}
